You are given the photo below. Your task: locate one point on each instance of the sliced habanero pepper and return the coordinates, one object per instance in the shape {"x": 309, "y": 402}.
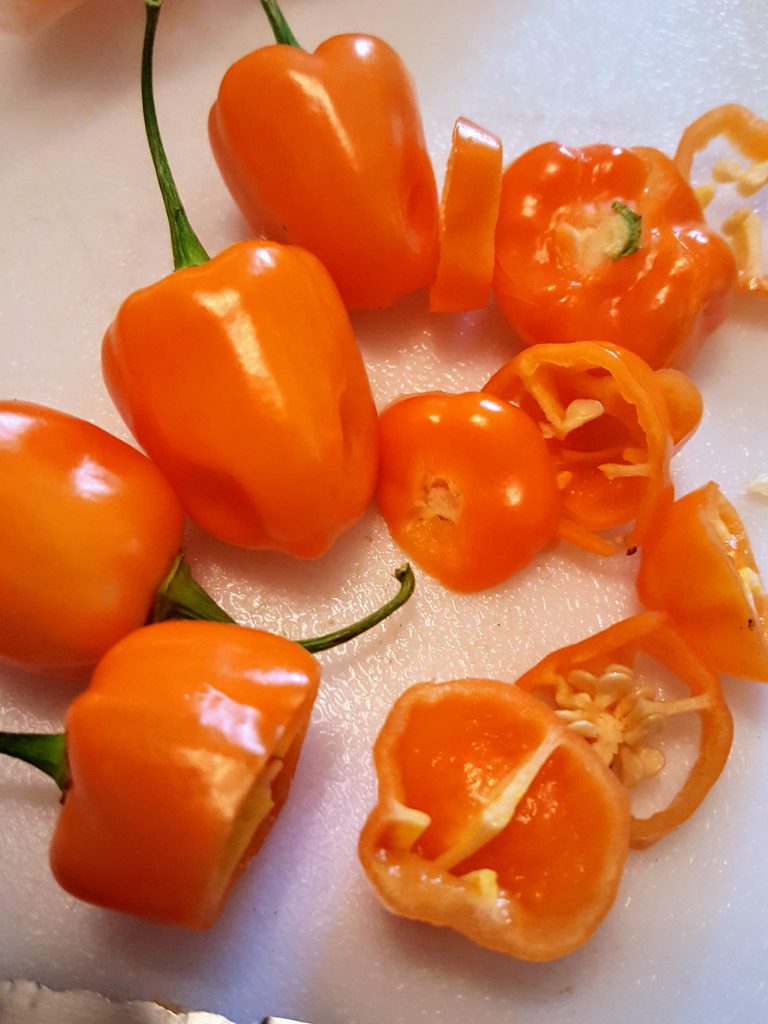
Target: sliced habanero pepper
{"x": 469, "y": 209}
{"x": 596, "y": 691}
{"x": 465, "y": 486}
{"x": 493, "y": 819}
{"x": 241, "y": 378}
{"x": 699, "y": 568}
{"x": 743, "y": 229}
{"x": 610, "y": 424}
{"x": 608, "y": 243}
{"x": 326, "y": 150}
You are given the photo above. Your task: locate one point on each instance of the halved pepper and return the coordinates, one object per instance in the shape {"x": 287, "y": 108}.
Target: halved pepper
{"x": 698, "y": 566}
{"x": 493, "y": 819}
{"x": 610, "y": 423}
{"x": 595, "y": 689}
{"x": 743, "y": 229}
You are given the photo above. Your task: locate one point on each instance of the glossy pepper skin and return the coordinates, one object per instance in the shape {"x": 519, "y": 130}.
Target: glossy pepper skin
{"x": 326, "y": 150}
{"x": 698, "y": 567}
{"x": 466, "y": 487}
{"x": 88, "y": 529}
{"x": 242, "y": 380}
{"x": 180, "y": 753}
{"x": 601, "y": 692}
{"x": 611, "y": 424}
{"x": 564, "y": 271}
{"x": 493, "y": 819}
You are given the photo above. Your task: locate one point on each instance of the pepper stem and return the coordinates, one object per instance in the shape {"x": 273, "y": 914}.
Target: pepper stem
{"x": 187, "y": 248}
{"x": 180, "y": 596}
{"x": 633, "y": 222}
{"x": 280, "y": 27}
{"x": 46, "y": 751}
{"x": 404, "y": 576}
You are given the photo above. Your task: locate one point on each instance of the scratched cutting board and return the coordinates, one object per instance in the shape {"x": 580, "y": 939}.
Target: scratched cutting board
{"x": 82, "y": 225}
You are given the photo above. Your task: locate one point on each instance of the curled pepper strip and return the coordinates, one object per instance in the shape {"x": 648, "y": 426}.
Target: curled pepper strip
{"x": 748, "y": 134}
{"x": 610, "y": 424}
{"x": 493, "y": 819}
{"x": 699, "y": 568}
{"x": 594, "y": 688}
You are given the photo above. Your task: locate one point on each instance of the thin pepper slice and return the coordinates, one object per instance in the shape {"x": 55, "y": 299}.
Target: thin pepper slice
{"x": 597, "y": 692}
{"x": 241, "y": 378}
{"x": 326, "y": 150}
{"x": 610, "y": 423}
{"x": 493, "y": 819}
{"x": 469, "y": 209}
{"x": 698, "y": 566}
{"x": 609, "y": 243}
{"x": 743, "y": 229}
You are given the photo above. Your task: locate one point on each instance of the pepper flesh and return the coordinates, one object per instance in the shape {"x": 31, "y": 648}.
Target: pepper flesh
{"x": 494, "y": 820}
{"x": 610, "y": 424}
{"x": 466, "y": 487}
{"x": 564, "y": 272}
{"x": 748, "y": 133}
{"x": 88, "y": 529}
{"x": 163, "y": 826}
{"x": 469, "y": 209}
{"x": 698, "y": 567}
{"x": 327, "y": 150}
{"x": 268, "y": 433}
{"x": 596, "y": 691}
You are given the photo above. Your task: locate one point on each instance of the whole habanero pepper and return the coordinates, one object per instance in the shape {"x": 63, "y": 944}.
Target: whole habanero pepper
{"x": 326, "y": 150}
{"x": 611, "y": 244}
{"x": 241, "y": 378}
{"x": 176, "y": 761}
{"x": 602, "y": 691}
{"x": 494, "y": 819}
{"x": 610, "y": 424}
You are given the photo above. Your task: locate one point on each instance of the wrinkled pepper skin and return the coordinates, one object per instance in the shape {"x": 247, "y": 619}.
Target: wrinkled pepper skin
{"x": 242, "y": 380}
{"x": 698, "y": 567}
{"x": 555, "y": 280}
{"x": 180, "y": 753}
{"x": 494, "y": 819}
{"x": 326, "y": 150}
{"x": 88, "y": 529}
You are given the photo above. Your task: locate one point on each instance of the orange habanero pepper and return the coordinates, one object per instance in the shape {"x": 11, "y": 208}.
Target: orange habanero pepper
{"x": 610, "y": 423}
{"x": 469, "y": 209}
{"x": 609, "y": 243}
{"x": 699, "y": 568}
{"x": 466, "y": 487}
{"x": 743, "y": 229}
{"x": 327, "y": 150}
{"x": 242, "y": 379}
{"x": 494, "y": 819}
{"x": 173, "y": 766}
{"x": 599, "y": 691}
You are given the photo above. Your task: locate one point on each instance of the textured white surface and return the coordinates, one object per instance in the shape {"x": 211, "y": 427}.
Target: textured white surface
{"x": 82, "y": 225}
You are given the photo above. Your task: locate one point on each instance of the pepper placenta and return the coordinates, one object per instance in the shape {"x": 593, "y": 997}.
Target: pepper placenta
{"x": 326, "y": 150}
{"x": 494, "y": 819}
{"x": 466, "y": 487}
{"x": 743, "y": 228}
{"x": 610, "y": 424}
{"x": 698, "y": 566}
{"x": 241, "y": 378}
{"x": 603, "y": 693}
{"x": 609, "y": 243}
{"x": 469, "y": 209}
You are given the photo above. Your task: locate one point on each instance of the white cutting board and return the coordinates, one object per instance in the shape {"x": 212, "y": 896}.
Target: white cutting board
{"x": 81, "y": 225}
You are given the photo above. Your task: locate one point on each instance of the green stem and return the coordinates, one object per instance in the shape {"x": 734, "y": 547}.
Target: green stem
{"x": 280, "y": 27}
{"x": 187, "y": 248}
{"x": 180, "y": 596}
{"x": 404, "y": 576}
{"x": 48, "y": 752}
{"x": 633, "y": 222}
